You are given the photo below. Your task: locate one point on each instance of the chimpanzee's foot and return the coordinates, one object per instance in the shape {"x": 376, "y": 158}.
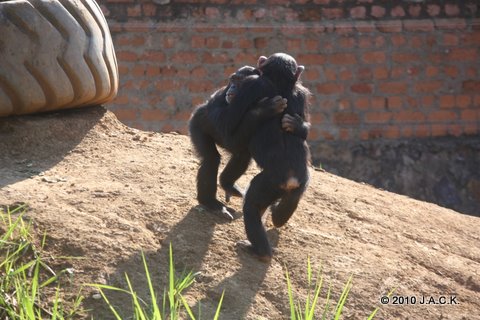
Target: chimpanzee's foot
{"x": 232, "y": 191}
{"x": 246, "y": 246}
{"x": 217, "y": 207}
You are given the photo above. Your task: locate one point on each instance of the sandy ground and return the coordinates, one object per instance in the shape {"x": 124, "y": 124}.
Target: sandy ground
{"x": 104, "y": 193}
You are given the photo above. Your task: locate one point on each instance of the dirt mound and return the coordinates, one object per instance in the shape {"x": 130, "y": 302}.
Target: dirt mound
{"x": 104, "y": 192}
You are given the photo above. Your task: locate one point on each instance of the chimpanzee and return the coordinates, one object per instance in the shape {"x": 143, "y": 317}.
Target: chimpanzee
{"x": 283, "y": 157}
{"x": 206, "y": 129}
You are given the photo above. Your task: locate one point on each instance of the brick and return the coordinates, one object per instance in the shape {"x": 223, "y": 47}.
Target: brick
{"x": 398, "y": 40}
{"x": 212, "y": 12}
{"x": 362, "y": 88}
{"x": 200, "y": 86}
{"x": 310, "y": 74}
{"x": 344, "y": 134}
{"x": 346, "y": 118}
{"x": 358, "y": 12}
{"x": 447, "y": 101}
{"x": 227, "y": 44}
{"x": 364, "y": 26}
{"x": 380, "y": 73}
{"x": 213, "y": 42}
{"x": 409, "y": 116}
{"x": 311, "y": 44}
{"x": 330, "y": 88}
{"x": 469, "y": 115}
{"x": 261, "y": 43}
{"x": 362, "y": 103}
{"x": 376, "y": 57}
{"x": 463, "y": 54}
{"x": 389, "y": 26}
{"x": 199, "y": 73}
{"x": 169, "y": 42}
{"x": 121, "y": 99}
{"x": 184, "y": 57}
{"x": 427, "y": 101}
{"x": 364, "y": 74}
{"x": 433, "y": 10}
{"x": 170, "y": 101}
{"x": 217, "y": 58}
{"x": 417, "y": 41}
{"x": 154, "y": 114}
{"x": 450, "y": 24}
{"x": 379, "y": 103}
{"x": 422, "y": 131}
{"x": 167, "y": 85}
{"x": 451, "y": 9}
{"x": 450, "y": 39}
{"x": 439, "y": 130}
{"x": 126, "y": 56}
{"x": 463, "y": 101}
{"x": 138, "y": 70}
{"x": 377, "y": 11}
{"x": 124, "y": 114}
{"x": 472, "y": 39}
{"x": 149, "y": 9}
{"x": 332, "y": 13}
{"x": 330, "y": 74}
{"x": 168, "y": 71}
{"x": 311, "y": 59}
{"x": 431, "y": 71}
{"x": 343, "y": 58}
{"x": 128, "y": 40}
{"x": 418, "y": 25}
{"x": 442, "y": 116}
{"x": 471, "y": 86}
{"x": 156, "y": 56}
{"x": 134, "y": 11}
{"x": 428, "y": 86}
{"x": 393, "y": 87}
{"x": 471, "y": 72}
{"x": 392, "y": 132}
{"x": 397, "y": 72}
{"x": 347, "y": 42}
{"x": 394, "y": 102}
{"x": 345, "y": 74}
{"x": 378, "y": 117}
{"x": 407, "y": 131}
{"x": 451, "y": 71}
{"x": 414, "y": 10}
{"x": 405, "y": 57}
{"x": 455, "y": 130}
{"x": 471, "y": 128}
{"x": 397, "y": 12}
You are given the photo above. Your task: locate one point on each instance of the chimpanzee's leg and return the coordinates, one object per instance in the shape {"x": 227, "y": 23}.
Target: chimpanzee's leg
{"x": 261, "y": 193}
{"x": 236, "y": 166}
{"x": 282, "y": 211}
{"x": 208, "y": 171}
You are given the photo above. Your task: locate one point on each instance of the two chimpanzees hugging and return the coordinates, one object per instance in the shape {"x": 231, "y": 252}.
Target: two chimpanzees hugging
{"x": 262, "y": 114}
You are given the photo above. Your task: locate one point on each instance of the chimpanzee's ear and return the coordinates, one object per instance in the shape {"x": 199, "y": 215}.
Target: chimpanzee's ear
{"x": 261, "y": 61}
{"x": 299, "y": 72}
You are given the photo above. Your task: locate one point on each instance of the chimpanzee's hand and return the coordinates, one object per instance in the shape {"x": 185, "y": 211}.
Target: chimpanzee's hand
{"x": 271, "y": 106}
{"x": 290, "y": 123}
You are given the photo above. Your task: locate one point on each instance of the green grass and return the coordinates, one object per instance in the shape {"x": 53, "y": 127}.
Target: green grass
{"x": 307, "y": 309}
{"x": 170, "y": 306}
{"x": 24, "y": 275}
{"x": 31, "y": 290}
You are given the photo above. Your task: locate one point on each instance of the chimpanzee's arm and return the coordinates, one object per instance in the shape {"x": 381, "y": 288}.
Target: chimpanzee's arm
{"x": 251, "y": 92}
{"x": 265, "y": 109}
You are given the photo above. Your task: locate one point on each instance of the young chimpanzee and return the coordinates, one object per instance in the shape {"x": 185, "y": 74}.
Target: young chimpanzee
{"x": 206, "y": 130}
{"x": 283, "y": 157}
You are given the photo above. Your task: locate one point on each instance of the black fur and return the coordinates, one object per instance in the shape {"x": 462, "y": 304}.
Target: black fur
{"x": 282, "y": 156}
{"x": 207, "y": 129}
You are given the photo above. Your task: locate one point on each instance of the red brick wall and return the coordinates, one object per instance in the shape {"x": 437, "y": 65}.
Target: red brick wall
{"x": 377, "y": 69}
